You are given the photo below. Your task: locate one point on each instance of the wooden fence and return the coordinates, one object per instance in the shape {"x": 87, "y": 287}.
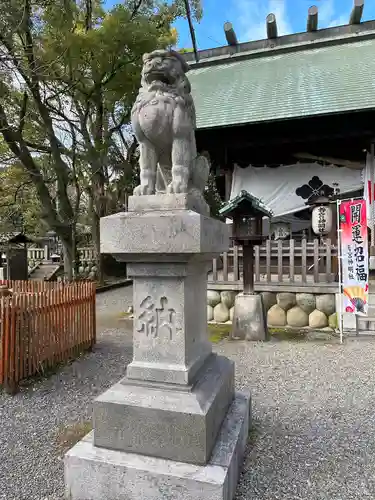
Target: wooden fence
{"x": 279, "y": 262}
{"x": 43, "y": 324}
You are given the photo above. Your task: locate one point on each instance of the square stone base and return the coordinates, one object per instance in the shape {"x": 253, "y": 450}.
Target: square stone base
{"x": 93, "y": 473}
{"x": 166, "y": 422}
{"x": 182, "y": 201}
{"x": 250, "y": 321}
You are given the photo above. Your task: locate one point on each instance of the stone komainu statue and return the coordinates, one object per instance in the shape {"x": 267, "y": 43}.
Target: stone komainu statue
{"x": 163, "y": 119}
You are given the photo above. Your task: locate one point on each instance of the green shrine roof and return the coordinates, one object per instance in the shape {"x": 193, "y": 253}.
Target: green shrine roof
{"x": 268, "y": 85}
{"x": 244, "y": 202}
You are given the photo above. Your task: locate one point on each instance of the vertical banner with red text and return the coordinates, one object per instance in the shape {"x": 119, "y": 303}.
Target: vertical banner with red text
{"x": 354, "y": 256}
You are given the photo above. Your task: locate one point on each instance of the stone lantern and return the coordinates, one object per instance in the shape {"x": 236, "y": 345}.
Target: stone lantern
{"x": 247, "y": 213}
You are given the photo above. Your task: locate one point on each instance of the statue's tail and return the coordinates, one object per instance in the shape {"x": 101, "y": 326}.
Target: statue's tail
{"x": 201, "y": 171}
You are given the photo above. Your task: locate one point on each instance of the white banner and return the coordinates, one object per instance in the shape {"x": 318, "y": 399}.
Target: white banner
{"x": 286, "y": 189}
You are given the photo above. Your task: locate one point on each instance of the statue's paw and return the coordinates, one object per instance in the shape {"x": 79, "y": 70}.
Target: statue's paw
{"x": 176, "y": 187}
{"x": 142, "y": 190}
{"x": 137, "y": 191}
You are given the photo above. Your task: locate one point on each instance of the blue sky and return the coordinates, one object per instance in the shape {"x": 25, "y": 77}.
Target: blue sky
{"x": 248, "y": 18}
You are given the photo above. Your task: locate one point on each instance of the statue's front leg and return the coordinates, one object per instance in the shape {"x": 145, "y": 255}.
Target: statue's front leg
{"x": 148, "y": 163}
{"x": 181, "y": 166}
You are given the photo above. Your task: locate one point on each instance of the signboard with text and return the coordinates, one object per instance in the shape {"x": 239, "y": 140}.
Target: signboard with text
{"x": 354, "y": 255}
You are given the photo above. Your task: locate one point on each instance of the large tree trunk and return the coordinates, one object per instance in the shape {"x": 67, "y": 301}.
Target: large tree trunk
{"x": 96, "y": 245}
{"x": 95, "y": 235}
{"x": 69, "y": 260}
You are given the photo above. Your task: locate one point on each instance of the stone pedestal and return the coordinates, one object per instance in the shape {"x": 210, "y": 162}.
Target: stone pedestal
{"x": 249, "y": 320}
{"x": 173, "y": 427}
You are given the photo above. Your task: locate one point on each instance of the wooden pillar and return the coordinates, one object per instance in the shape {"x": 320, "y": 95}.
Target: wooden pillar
{"x": 271, "y": 26}
{"x": 248, "y": 268}
{"x": 230, "y": 34}
{"x": 228, "y": 183}
{"x": 312, "y": 19}
{"x": 356, "y": 14}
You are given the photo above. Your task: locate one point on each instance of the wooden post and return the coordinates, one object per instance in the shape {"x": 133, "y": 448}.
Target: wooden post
{"x": 280, "y": 261}
{"x": 356, "y": 14}
{"x": 312, "y": 19}
{"x": 214, "y": 269}
{"x": 191, "y": 28}
{"x": 248, "y": 268}
{"x": 271, "y": 26}
{"x": 228, "y": 183}
{"x": 257, "y": 262}
{"x": 236, "y": 274}
{"x": 328, "y": 261}
{"x": 316, "y": 260}
{"x": 230, "y": 34}
{"x": 372, "y": 179}
{"x": 334, "y": 241}
{"x": 268, "y": 260}
{"x": 291, "y": 260}
{"x": 225, "y": 266}
{"x": 304, "y": 261}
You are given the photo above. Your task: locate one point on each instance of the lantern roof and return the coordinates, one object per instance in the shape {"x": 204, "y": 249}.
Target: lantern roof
{"x": 14, "y": 238}
{"x": 245, "y": 204}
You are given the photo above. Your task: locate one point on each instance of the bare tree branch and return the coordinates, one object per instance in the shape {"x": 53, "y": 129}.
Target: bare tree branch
{"x": 137, "y": 6}
{"x": 23, "y": 112}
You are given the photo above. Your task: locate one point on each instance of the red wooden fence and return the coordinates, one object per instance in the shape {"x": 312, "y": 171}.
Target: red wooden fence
{"x": 43, "y": 324}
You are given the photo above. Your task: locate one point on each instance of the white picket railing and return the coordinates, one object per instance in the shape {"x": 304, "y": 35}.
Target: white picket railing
{"x": 86, "y": 254}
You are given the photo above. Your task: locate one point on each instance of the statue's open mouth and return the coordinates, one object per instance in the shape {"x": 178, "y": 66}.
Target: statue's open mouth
{"x": 159, "y": 76}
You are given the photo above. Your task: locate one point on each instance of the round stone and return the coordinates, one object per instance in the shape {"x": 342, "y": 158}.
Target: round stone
{"x": 210, "y": 313}
{"x": 297, "y": 318}
{"x": 213, "y": 298}
{"x": 269, "y": 300}
{"x": 318, "y": 319}
{"x": 286, "y": 300}
{"x": 227, "y": 298}
{"x": 326, "y": 303}
{"x": 231, "y": 313}
{"x": 276, "y": 316}
{"x": 221, "y": 313}
{"x": 306, "y": 301}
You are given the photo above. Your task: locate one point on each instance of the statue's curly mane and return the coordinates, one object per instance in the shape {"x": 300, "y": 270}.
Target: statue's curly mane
{"x": 179, "y": 90}
{"x": 181, "y": 86}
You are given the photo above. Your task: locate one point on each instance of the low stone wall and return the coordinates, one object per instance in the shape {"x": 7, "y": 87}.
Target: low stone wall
{"x": 285, "y": 309}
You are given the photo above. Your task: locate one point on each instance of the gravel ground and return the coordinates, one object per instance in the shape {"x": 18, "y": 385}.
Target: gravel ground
{"x": 113, "y": 302}
{"x": 313, "y": 418}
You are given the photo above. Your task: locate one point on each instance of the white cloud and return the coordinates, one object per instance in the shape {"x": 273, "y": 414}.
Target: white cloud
{"x": 326, "y": 12}
{"x": 251, "y": 18}
{"x": 328, "y": 15}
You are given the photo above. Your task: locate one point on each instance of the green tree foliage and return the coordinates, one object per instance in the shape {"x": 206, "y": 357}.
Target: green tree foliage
{"x": 20, "y": 209}
{"x": 69, "y": 73}
{"x": 212, "y": 197}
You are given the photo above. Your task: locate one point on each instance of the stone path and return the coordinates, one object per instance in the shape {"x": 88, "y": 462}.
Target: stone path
{"x": 313, "y": 436}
